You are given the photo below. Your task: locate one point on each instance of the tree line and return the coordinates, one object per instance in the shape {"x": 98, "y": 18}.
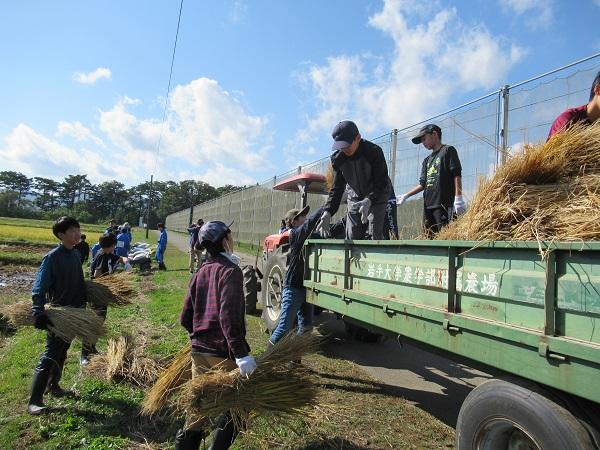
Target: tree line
{"x": 75, "y": 195}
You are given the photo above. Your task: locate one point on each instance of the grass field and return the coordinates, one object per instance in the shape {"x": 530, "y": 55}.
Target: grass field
{"x": 359, "y": 413}
{"x": 40, "y": 231}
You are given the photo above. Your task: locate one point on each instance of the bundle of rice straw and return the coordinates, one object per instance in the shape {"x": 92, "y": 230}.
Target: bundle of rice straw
{"x": 123, "y": 362}
{"x": 113, "y": 289}
{"x": 274, "y": 388}
{"x": 67, "y": 323}
{"x": 549, "y": 192}
{"x": 169, "y": 382}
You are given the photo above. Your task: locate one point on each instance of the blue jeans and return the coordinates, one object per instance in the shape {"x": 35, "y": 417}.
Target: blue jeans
{"x": 293, "y": 305}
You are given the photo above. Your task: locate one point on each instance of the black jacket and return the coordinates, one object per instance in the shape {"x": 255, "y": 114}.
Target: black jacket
{"x": 294, "y": 276}
{"x": 365, "y": 173}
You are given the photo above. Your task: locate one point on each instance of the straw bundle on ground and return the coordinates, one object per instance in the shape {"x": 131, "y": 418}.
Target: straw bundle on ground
{"x": 549, "y": 192}
{"x": 113, "y": 290}
{"x": 274, "y": 388}
{"x": 169, "y": 382}
{"x": 123, "y": 362}
{"x": 67, "y": 323}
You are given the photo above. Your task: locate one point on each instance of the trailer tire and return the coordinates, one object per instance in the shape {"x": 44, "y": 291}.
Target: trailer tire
{"x": 514, "y": 413}
{"x": 272, "y": 286}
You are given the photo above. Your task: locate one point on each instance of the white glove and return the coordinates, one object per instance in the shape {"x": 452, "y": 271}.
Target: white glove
{"x": 364, "y": 206}
{"x": 246, "y": 364}
{"x": 401, "y": 199}
{"x": 323, "y": 226}
{"x": 459, "y": 205}
{"x": 128, "y": 267}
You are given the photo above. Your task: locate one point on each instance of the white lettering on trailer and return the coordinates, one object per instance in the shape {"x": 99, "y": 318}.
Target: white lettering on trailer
{"x": 489, "y": 285}
{"x": 472, "y": 283}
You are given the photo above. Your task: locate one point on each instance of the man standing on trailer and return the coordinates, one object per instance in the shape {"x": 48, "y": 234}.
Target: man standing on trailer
{"x": 359, "y": 169}
{"x": 588, "y": 113}
{"x": 440, "y": 181}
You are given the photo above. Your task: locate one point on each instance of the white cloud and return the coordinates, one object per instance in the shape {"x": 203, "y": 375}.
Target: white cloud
{"x": 238, "y": 14}
{"x": 539, "y": 13}
{"x": 77, "y": 131}
{"x": 92, "y": 77}
{"x": 205, "y": 124}
{"x": 34, "y": 154}
{"x": 435, "y": 55}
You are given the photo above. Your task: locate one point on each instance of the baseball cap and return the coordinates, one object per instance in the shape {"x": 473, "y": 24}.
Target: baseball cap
{"x": 430, "y": 128}
{"x": 293, "y": 214}
{"x": 344, "y": 134}
{"x": 213, "y": 231}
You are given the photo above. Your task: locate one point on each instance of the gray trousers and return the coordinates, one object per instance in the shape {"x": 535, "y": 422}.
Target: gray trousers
{"x": 373, "y": 229}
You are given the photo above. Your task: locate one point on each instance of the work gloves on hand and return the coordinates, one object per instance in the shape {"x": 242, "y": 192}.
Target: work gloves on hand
{"x": 41, "y": 321}
{"x": 246, "y": 364}
{"x": 459, "y": 205}
{"x": 401, "y": 199}
{"x": 364, "y": 206}
{"x": 323, "y": 226}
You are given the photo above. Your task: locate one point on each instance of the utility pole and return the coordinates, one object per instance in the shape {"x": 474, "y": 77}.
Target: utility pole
{"x": 148, "y": 210}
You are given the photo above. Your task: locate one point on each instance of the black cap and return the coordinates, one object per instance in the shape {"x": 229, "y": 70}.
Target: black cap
{"x": 213, "y": 231}
{"x": 344, "y": 134}
{"x": 427, "y": 129}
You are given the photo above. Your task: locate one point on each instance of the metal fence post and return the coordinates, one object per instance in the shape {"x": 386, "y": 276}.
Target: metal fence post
{"x": 393, "y": 155}
{"x": 505, "y": 98}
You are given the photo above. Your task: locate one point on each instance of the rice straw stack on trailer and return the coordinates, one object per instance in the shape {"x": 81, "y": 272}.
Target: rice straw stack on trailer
{"x": 550, "y": 192}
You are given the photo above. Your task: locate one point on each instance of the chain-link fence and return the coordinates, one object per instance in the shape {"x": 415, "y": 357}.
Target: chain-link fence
{"x": 484, "y": 131}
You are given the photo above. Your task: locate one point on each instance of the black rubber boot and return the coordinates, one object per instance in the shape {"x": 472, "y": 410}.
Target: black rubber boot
{"x": 36, "y": 401}
{"x": 225, "y": 433}
{"x": 188, "y": 439}
{"x": 161, "y": 266}
{"x": 55, "y": 375}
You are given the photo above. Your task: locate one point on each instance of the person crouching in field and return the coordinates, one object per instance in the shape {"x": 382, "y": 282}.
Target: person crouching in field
{"x": 162, "y": 246}
{"x": 104, "y": 263}
{"x": 293, "y": 298}
{"x": 59, "y": 280}
{"x": 213, "y": 314}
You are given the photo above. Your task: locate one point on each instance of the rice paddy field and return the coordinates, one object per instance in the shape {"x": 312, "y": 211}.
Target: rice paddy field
{"x": 354, "y": 411}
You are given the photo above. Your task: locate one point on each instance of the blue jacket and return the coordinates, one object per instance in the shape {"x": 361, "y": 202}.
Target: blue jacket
{"x": 193, "y": 231}
{"x": 123, "y": 244}
{"x": 95, "y": 249}
{"x": 162, "y": 241}
{"x": 59, "y": 280}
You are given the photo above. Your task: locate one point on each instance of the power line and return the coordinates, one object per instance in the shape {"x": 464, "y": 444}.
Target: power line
{"x": 162, "y": 128}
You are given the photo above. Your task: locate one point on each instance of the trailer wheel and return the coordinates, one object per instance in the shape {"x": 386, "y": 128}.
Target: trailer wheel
{"x": 517, "y": 414}
{"x": 272, "y": 286}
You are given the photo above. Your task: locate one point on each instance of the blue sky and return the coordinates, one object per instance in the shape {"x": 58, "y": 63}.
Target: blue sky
{"x": 257, "y": 86}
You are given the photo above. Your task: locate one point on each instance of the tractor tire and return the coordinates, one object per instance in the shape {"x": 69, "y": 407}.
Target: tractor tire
{"x": 272, "y": 286}
{"x": 513, "y": 413}
{"x": 250, "y": 288}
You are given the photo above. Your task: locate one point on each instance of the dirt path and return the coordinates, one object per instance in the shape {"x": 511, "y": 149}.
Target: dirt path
{"x": 434, "y": 383}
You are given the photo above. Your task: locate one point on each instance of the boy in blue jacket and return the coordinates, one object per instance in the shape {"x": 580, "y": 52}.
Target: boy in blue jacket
{"x": 59, "y": 280}
{"x": 162, "y": 246}
{"x": 293, "y": 298}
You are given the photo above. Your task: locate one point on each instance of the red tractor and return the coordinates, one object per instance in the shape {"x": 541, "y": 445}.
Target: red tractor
{"x": 276, "y": 248}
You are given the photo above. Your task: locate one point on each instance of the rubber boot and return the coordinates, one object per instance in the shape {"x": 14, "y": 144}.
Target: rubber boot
{"x": 161, "y": 266}
{"x": 225, "y": 433}
{"x": 188, "y": 439}
{"x": 55, "y": 375}
{"x": 87, "y": 350}
{"x": 36, "y": 401}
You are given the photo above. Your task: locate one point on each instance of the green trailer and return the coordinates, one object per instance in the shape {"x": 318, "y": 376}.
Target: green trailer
{"x": 497, "y": 303}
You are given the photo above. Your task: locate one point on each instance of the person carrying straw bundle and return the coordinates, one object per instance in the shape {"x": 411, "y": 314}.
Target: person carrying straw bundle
{"x": 59, "y": 280}
{"x": 213, "y": 314}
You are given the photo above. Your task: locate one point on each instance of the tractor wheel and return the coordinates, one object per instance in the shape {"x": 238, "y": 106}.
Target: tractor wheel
{"x": 250, "y": 288}
{"x": 272, "y": 286}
